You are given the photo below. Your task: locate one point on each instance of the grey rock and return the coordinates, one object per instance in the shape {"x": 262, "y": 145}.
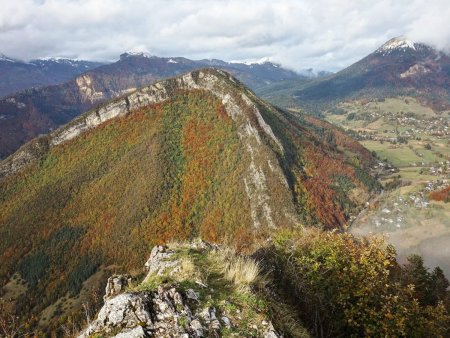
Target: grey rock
{"x": 191, "y": 294}
{"x": 209, "y": 316}
{"x": 226, "y": 322}
{"x": 270, "y": 332}
{"x": 116, "y": 284}
{"x": 136, "y": 332}
{"x": 197, "y": 327}
{"x": 159, "y": 261}
{"x": 165, "y": 312}
{"x": 126, "y": 310}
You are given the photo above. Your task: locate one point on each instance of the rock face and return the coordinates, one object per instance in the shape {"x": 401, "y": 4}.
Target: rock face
{"x": 18, "y": 75}
{"x": 87, "y": 90}
{"x": 116, "y": 284}
{"x": 168, "y": 311}
{"x": 159, "y": 260}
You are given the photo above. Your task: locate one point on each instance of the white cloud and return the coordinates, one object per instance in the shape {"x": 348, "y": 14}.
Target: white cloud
{"x": 322, "y": 34}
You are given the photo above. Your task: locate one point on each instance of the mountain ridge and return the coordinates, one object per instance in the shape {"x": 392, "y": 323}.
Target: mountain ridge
{"x": 198, "y": 155}
{"x": 36, "y": 111}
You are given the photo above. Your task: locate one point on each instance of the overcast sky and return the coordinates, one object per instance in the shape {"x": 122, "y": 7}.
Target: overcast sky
{"x": 299, "y": 34}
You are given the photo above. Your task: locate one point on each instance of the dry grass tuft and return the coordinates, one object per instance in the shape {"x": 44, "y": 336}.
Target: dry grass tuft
{"x": 243, "y": 272}
{"x": 188, "y": 269}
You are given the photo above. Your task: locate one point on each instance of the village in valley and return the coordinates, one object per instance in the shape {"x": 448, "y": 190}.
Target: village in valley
{"x": 412, "y": 143}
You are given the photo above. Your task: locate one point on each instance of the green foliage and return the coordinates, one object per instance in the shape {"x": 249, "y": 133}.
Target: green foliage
{"x": 33, "y": 267}
{"x": 337, "y": 111}
{"x": 345, "y": 287}
{"x": 246, "y": 307}
{"x": 371, "y": 183}
{"x": 344, "y": 183}
{"x": 86, "y": 267}
{"x": 351, "y": 116}
{"x": 167, "y": 171}
{"x": 430, "y": 288}
{"x": 393, "y": 184}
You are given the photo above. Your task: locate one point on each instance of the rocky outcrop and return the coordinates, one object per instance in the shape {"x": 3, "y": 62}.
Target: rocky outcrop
{"x": 87, "y": 90}
{"x": 116, "y": 284}
{"x": 167, "y": 311}
{"x": 164, "y": 313}
{"x": 159, "y": 261}
{"x": 415, "y": 70}
{"x": 26, "y": 155}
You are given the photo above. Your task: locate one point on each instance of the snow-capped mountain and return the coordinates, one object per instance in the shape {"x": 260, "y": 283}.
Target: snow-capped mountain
{"x": 398, "y": 67}
{"x": 395, "y": 44}
{"x": 76, "y": 63}
{"x": 17, "y": 75}
{"x": 4, "y": 58}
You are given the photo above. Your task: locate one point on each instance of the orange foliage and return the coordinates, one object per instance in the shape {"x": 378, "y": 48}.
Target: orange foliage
{"x": 441, "y": 195}
{"x": 321, "y": 196}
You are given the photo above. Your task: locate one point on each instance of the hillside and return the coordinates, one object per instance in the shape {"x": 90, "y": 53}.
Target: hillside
{"x": 36, "y": 111}
{"x": 399, "y": 67}
{"x": 18, "y": 75}
{"x": 291, "y": 287}
{"x": 195, "y": 155}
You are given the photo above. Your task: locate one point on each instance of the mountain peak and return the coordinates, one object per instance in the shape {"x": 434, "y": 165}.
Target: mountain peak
{"x": 58, "y": 59}
{"x": 262, "y": 61}
{"x": 135, "y": 54}
{"x": 3, "y": 57}
{"x": 396, "y": 44}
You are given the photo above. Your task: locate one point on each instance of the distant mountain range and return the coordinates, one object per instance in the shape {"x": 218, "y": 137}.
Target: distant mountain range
{"x": 35, "y": 111}
{"x": 399, "y": 67}
{"x": 17, "y": 75}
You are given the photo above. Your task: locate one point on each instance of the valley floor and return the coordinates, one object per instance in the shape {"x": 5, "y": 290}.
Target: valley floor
{"x": 416, "y": 141}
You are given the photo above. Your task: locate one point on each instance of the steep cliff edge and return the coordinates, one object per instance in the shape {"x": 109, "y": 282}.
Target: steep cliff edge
{"x": 291, "y": 287}
{"x": 198, "y": 155}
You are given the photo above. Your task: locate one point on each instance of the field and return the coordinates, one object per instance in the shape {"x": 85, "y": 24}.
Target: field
{"x": 416, "y": 141}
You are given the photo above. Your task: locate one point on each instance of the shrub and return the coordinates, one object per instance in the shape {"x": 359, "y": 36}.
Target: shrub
{"x": 351, "y": 116}
{"x": 85, "y": 268}
{"x": 342, "y": 286}
{"x": 441, "y": 195}
{"x": 34, "y": 267}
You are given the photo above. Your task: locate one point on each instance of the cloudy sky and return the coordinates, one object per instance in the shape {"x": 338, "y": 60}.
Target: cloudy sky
{"x": 300, "y": 34}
